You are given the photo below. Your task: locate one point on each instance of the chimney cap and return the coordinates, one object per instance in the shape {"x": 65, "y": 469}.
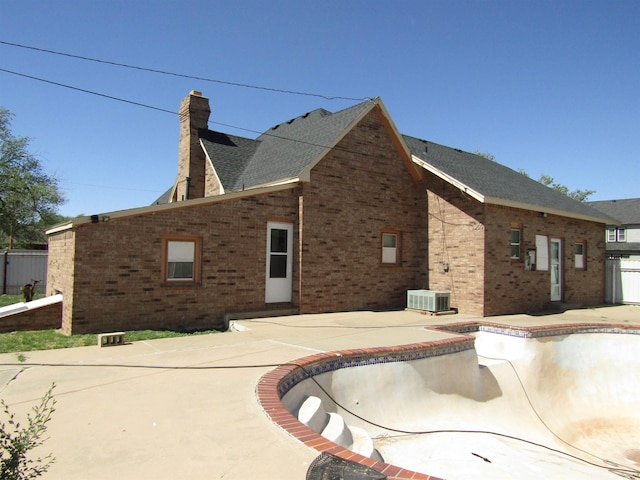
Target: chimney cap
{"x": 195, "y": 92}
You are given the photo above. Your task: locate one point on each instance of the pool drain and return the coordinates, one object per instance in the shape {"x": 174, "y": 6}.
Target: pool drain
{"x": 331, "y": 467}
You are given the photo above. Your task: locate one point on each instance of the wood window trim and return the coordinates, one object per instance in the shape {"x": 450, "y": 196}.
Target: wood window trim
{"x": 197, "y": 260}
{"x": 519, "y": 260}
{"x": 582, "y": 242}
{"x": 398, "y": 242}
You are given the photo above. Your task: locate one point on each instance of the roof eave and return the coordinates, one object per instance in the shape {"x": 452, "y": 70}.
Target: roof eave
{"x": 134, "y": 212}
{"x": 59, "y": 228}
{"x": 504, "y": 202}
{"x": 545, "y": 210}
{"x": 449, "y": 179}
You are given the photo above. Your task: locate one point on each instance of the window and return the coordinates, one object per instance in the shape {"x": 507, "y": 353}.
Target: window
{"x": 622, "y": 235}
{"x": 580, "y": 257}
{"x": 515, "y": 243}
{"x": 616, "y": 234}
{"x": 181, "y": 261}
{"x": 390, "y": 248}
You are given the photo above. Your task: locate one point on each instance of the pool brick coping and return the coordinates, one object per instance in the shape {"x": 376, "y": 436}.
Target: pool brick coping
{"x": 276, "y": 383}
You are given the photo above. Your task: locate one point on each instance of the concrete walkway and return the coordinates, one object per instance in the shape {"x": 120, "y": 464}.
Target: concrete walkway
{"x": 154, "y": 410}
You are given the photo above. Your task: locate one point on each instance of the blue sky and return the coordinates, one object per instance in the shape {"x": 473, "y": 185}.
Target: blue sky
{"x": 550, "y": 87}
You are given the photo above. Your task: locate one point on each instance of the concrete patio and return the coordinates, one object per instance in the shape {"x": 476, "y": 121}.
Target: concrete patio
{"x": 167, "y": 409}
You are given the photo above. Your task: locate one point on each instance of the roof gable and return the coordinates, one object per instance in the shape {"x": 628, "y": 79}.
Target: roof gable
{"x": 493, "y": 183}
{"x": 281, "y": 153}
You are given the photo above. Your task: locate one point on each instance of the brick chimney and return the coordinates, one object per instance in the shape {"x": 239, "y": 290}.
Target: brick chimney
{"x": 194, "y": 115}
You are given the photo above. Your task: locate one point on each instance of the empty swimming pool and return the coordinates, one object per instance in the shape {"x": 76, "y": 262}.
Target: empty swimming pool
{"x": 495, "y": 402}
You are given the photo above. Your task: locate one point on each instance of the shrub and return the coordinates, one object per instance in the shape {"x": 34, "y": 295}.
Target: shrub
{"x": 16, "y": 441}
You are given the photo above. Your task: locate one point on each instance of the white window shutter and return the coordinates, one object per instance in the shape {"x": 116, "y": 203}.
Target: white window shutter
{"x": 542, "y": 253}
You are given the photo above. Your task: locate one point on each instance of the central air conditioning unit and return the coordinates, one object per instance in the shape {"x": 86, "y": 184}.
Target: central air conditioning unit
{"x": 428, "y": 300}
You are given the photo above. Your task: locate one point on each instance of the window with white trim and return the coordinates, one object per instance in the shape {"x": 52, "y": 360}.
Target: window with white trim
{"x": 390, "y": 248}
{"x": 622, "y": 234}
{"x": 616, "y": 234}
{"x": 515, "y": 243}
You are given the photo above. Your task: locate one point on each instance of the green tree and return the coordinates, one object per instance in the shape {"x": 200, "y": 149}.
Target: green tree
{"x": 580, "y": 195}
{"x": 487, "y": 155}
{"x": 29, "y": 197}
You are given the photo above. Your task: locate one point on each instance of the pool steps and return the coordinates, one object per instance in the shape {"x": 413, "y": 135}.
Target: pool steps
{"x": 332, "y": 426}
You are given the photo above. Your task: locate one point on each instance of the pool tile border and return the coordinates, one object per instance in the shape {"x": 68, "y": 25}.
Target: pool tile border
{"x": 276, "y": 383}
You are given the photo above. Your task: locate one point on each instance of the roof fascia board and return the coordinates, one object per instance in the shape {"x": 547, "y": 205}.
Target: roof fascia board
{"x": 449, "y": 179}
{"x": 538, "y": 208}
{"x": 134, "y": 212}
{"x": 60, "y": 228}
{"x": 397, "y": 139}
{"x": 503, "y": 202}
{"x": 305, "y": 175}
{"x": 286, "y": 181}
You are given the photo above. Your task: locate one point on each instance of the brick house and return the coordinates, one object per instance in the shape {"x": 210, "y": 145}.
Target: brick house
{"x": 325, "y": 212}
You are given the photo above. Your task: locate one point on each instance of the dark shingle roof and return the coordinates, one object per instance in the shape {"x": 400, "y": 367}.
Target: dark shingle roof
{"x": 287, "y": 150}
{"x": 495, "y": 182}
{"x": 626, "y": 211}
{"x": 230, "y": 155}
{"x": 282, "y": 152}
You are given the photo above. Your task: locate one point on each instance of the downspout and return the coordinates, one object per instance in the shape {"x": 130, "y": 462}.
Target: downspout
{"x": 188, "y": 180}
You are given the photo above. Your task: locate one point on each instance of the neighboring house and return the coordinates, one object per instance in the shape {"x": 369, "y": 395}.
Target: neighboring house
{"x": 622, "y": 249}
{"x": 623, "y": 236}
{"x": 325, "y": 212}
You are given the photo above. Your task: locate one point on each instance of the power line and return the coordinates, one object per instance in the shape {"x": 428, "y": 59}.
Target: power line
{"x": 181, "y": 75}
{"x": 139, "y": 104}
{"x": 110, "y": 97}
{"x": 144, "y": 105}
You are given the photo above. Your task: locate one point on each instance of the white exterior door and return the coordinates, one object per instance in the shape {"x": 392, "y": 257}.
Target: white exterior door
{"x": 279, "y": 262}
{"x": 555, "y": 261}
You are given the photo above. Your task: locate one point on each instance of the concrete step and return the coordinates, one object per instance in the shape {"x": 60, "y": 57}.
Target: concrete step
{"x": 362, "y": 442}
{"x": 337, "y": 430}
{"x": 313, "y": 414}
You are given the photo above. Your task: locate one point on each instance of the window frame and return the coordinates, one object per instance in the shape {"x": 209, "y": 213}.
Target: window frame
{"x": 396, "y": 249}
{"x": 196, "y": 276}
{"x": 616, "y": 235}
{"x": 515, "y": 227}
{"x": 582, "y": 265}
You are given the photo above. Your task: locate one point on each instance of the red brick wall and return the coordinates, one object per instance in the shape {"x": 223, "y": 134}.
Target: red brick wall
{"x": 510, "y": 288}
{"x": 360, "y": 189}
{"x": 61, "y": 271}
{"x": 456, "y": 238}
{"x": 474, "y": 239}
{"x": 118, "y": 283}
{"x": 42, "y": 318}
